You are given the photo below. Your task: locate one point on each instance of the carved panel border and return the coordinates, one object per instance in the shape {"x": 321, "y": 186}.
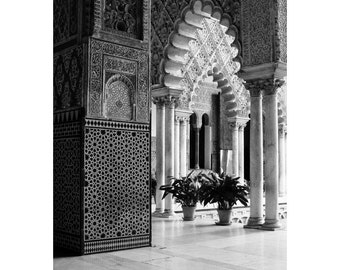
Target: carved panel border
{"x": 98, "y": 49}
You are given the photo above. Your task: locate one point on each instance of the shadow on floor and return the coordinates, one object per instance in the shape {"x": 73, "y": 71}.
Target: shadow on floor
{"x": 63, "y": 253}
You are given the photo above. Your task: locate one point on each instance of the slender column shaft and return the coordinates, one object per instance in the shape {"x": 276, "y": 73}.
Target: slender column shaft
{"x": 177, "y": 149}
{"x": 282, "y": 161}
{"x": 285, "y": 140}
{"x": 207, "y": 147}
{"x": 197, "y": 148}
{"x": 256, "y": 161}
{"x": 234, "y": 136}
{"x": 160, "y": 145}
{"x": 271, "y": 171}
{"x": 241, "y": 153}
{"x": 169, "y": 152}
{"x": 183, "y": 148}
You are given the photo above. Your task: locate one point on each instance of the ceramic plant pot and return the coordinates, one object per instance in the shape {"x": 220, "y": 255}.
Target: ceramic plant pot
{"x": 188, "y": 213}
{"x": 225, "y": 217}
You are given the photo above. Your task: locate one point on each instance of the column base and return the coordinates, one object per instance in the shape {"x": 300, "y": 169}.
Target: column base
{"x": 254, "y": 223}
{"x": 169, "y": 214}
{"x": 158, "y": 213}
{"x": 271, "y": 225}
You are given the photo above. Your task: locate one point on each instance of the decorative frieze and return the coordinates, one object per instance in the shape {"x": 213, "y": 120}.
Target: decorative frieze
{"x": 116, "y": 125}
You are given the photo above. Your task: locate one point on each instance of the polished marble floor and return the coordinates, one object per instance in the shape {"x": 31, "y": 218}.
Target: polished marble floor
{"x": 198, "y": 244}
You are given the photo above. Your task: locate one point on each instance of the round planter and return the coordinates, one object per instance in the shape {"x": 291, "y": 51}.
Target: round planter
{"x": 188, "y": 213}
{"x": 225, "y": 217}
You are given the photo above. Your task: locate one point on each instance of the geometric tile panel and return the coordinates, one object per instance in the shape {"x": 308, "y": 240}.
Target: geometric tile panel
{"x": 67, "y": 157}
{"x": 117, "y": 185}
{"x": 67, "y": 179}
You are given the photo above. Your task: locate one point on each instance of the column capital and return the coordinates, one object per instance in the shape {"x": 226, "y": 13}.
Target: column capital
{"x": 182, "y": 115}
{"x": 159, "y": 101}
{"x": 236, "y": 123}
{"x": 267, "y": 86}
{"x": 170, "y": 101}
{"x": 282, "y": 130}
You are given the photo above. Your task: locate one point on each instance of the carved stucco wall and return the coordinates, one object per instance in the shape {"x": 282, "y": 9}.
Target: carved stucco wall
{"x": 264, "y": 31}
{"x": 65, "y": 20}
{"x": 129, "y": 19}
{"x": 165, "y": 13}
{"x": 257, "y": 32}
{"x": 68, "y": 77}
{"x": 282, "y": 30}
{"x": 107, "y": 60}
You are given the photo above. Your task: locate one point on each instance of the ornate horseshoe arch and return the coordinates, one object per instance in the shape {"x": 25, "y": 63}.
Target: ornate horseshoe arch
{"x": 204, "y": 43}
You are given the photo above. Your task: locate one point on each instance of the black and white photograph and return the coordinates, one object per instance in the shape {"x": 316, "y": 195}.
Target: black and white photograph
{"x": 171, "y": 135}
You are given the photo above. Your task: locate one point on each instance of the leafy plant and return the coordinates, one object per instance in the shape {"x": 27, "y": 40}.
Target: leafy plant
{"x": 223, "y": 190}
{"x": 185, "y": 190}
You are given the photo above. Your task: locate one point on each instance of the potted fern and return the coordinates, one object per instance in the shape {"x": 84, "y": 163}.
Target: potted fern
{"x": 185, "y": 190}
{"x": 226, "y": 192}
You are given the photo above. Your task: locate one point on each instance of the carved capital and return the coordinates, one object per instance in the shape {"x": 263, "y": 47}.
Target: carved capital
{"x": 159, "y": 101}
{"x": 242, "y": 126}
{"x": 238, "y": 123}
{"x": 170, "y": 101}
{"x": 181, "y": 118}
{"x": 268, "y": 86}
{"x": 282, "y": 130}
{"x": 234, "y": 126}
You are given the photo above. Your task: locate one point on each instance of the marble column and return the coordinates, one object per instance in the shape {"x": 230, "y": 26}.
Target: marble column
{"x": 256, "y": 160}
{"x": 282, "y": 160}
{"x": 183, "y": 147}
{"x": 241, "y": 149}
{"x": 169, "y": 151}
{"x": 271, "y": 168}
{"x": 207, "y": 147}
{"x": 177, "y": 148}
{"x": 234, "y": 126}
{"x": 160, "y": 147}
{"x": 197, "y": 147}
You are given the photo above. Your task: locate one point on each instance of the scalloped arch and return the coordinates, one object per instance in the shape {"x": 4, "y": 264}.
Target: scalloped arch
{"x": 205, "y": 43}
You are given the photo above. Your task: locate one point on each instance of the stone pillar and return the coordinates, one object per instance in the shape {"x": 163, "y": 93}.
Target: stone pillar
{"x": 241, "y": 149}
{"x": 177, "y": 148}
{"x": 271, "y": 168}
{"x": 169, "y": 151}
{"x": 207, "y": 147}
{"x": 197, "y": 148}
{"x": 234, "y": 126}
{"x": 282, "y": 160}
{"x": 183, "y": 147}
{"x": 160, "y": 147}
{"x": 256, "y": 160}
